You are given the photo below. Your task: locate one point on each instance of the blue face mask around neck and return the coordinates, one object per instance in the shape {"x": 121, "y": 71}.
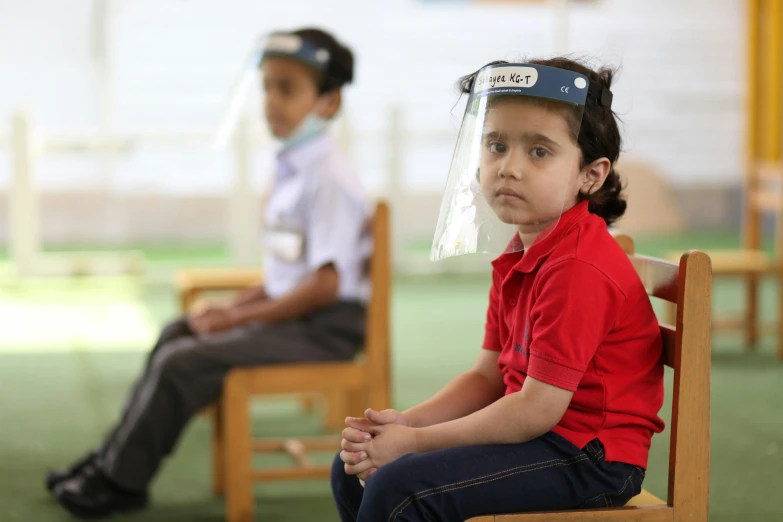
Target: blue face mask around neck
{"x": 312, "y": 126}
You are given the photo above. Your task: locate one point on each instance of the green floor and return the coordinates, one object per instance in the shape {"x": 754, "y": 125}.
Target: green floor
{"x": 69, "y": 349}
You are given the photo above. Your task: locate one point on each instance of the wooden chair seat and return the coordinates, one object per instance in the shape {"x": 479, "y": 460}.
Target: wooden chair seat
{"x": 205, "y": 279}
{"x": 645, "y": 498}
{"x": 297, "y": 378}
{"x": 307, "y": 380}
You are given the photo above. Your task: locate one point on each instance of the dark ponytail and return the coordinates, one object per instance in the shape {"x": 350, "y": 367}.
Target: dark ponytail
{"x": 599, "y": 136}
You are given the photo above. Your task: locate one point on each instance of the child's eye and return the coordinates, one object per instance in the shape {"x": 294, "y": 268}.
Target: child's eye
{"x": 497, "y": 147}
{"x": 539, "y": 152}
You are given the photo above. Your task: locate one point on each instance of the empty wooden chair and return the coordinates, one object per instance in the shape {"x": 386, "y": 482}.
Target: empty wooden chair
{"x": 763, "y": 205}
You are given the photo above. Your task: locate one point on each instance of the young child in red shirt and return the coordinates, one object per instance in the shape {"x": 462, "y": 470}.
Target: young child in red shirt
{"x": 560, "y": 406}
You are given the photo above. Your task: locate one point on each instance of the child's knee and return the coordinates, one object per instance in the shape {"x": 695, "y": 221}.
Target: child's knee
{"x": 388, "y": 488}
{"x": 178, "y": 362}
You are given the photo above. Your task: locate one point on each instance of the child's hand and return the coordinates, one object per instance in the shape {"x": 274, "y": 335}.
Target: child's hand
{"x": 359, "y": 435}
{"x": 388, "y": 443}
{"x": 389, "y": 416}
{"x": 366, "y": 475}
{"x": 351, "y": 438}
{"x": 354, "y": 436}
{"x": 212, "y": 320}
{"x": 249, "y": 295}
{"x": 376, "y": 418}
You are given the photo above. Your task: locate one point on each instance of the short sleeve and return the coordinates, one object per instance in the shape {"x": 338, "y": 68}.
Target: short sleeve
{"x": 491, "y": 328}
{"x": 335, "y": 226}
{"x": 576, "y": 306}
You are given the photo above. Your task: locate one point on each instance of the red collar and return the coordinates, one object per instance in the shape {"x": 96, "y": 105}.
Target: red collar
{"x": 527, "y": 260}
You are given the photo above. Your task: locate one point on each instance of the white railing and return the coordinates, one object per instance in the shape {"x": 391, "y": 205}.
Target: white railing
{"x": 28, "y": 144}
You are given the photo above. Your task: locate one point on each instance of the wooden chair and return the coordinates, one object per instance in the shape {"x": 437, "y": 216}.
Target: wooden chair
{"x": 763, "y": 198}
{"x": 350, "y": 386}
{"x": 192, "y": 283}
{"x": 687, "y": 350}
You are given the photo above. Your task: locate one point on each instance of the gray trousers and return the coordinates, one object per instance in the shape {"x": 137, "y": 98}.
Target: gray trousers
{"x": 185, "y": 373}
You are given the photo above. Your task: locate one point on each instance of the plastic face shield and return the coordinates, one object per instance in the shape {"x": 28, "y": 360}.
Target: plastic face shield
{"x": 516, "y": 165}
{"x": 276, "y": 44}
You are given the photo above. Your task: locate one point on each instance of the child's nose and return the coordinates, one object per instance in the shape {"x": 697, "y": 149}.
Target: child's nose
{"x": 513, "y": 164}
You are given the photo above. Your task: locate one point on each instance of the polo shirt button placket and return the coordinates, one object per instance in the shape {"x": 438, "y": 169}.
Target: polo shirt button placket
{"x": 513, "y": 301}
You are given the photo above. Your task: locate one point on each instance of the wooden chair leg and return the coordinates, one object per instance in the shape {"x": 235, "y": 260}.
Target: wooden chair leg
{"x": 751, "y": 312}
{"x": 780, "y": 318}
{"x": 218, "y": 448}
{"x": 238, "y": 447}
{"x": 336, "y": 410}
{"x": 308, "y": 403}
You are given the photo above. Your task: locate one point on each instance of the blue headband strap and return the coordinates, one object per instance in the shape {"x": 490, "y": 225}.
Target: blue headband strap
{"x": 297, "y": 48}
{"x": 531, "y": 80}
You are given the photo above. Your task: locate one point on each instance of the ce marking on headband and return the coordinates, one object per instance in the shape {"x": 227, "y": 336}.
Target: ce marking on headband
{"x": 564, "y": 89}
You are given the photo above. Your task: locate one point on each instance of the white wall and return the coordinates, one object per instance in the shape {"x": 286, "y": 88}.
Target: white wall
{"x": 680, "y": 91}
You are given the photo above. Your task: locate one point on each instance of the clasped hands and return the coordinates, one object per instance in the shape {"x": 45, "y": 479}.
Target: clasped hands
{"x": 377, "y": 439}
{"x": 213, "y": 319}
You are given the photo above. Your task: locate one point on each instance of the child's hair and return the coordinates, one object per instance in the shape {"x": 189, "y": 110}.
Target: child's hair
{"x": 599, "y": 136}
{"x": 339, "y": 70}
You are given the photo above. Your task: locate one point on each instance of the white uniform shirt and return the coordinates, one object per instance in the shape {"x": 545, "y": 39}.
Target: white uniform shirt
{"x": 316, "y": 214}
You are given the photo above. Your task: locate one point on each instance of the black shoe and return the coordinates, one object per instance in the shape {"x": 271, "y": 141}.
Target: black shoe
{"x": 55, "y": 477}
{"x": 90, "y": 495}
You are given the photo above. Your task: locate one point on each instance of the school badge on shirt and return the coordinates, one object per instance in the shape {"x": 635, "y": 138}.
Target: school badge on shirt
{"x": 284, "y": 243}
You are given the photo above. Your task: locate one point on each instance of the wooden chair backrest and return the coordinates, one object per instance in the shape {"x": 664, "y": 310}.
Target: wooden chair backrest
{"x": 686, "y": 349}
{"x": 764, "y": 197}
{"x": 378, "y": 320}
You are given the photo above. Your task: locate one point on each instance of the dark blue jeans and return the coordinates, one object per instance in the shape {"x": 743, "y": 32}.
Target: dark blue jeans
{"x": 456, "y": 484}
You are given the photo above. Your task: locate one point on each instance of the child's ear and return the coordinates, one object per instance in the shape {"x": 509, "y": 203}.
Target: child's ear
{"x": 593, "y": 176}
{"x": 329, "y": 104}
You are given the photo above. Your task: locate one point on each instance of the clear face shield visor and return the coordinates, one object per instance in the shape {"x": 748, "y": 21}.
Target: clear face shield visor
{"x": 282, "y": 45}
{"x": 516, "y": 164}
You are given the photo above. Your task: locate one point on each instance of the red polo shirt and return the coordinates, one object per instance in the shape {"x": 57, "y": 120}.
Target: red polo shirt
{"x": 572, "y": 312}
